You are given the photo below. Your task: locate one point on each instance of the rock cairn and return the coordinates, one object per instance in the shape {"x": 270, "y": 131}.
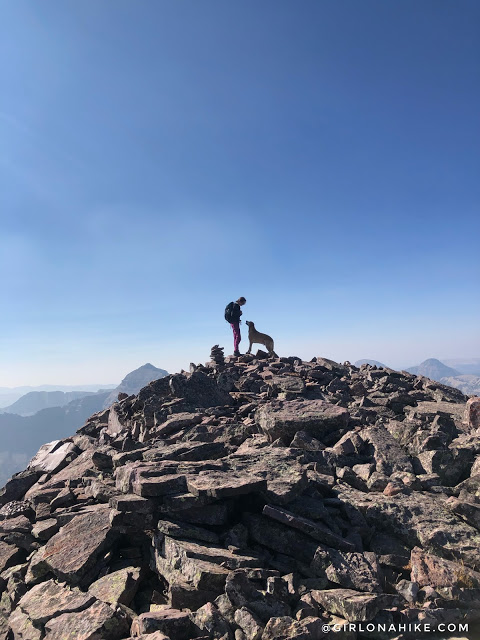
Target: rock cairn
{"x": 216, "y": 355}
{"x": 258, "y": 502}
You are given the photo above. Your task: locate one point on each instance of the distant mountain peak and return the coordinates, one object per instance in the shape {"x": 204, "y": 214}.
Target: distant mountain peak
{"x": 433, "y": 369}
{"x": 136, "y": 380}
{"x": 359, "y": 363}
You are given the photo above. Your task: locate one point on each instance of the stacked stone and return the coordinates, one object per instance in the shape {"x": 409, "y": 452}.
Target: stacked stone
{"x": 216, "y": 355}
{"x": 259, "y": 500}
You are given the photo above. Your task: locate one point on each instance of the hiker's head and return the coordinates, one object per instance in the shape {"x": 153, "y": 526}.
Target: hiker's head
{"x": 241, "y": 301}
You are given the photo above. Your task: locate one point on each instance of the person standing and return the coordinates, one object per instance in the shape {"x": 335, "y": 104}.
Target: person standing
{"x": 232, "y": 315}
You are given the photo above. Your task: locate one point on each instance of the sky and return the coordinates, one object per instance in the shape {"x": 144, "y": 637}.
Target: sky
{"x": 159, "y": 159}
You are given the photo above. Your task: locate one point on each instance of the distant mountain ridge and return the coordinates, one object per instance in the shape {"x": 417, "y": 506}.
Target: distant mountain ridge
{"x": 9, "y": 395}
{"x": 465, "y": 376}
{"x": 22, "y": 436}
{"x": 466, "y": 366}
{"x": 35, "y": 401}
{"x": 439, "y": 371}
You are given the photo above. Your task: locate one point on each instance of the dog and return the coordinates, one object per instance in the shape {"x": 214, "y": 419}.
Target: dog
{"x": 259, "y": 338}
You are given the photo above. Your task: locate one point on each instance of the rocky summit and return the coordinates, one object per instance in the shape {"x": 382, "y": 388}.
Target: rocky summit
{"x": 251, "y": 499}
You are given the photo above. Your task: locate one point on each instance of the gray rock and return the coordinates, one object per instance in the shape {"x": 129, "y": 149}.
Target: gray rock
{"x": 45, "y": 600}
{"x": 352, "y": 605}
{"x": 72, "y": 553}
{"x": 280, "y": 419}
{"x": 118, "y": 587}
{"x": 173, "y": 623}
{"x": 99, "y": 620}
{"x": 209, "y": 621}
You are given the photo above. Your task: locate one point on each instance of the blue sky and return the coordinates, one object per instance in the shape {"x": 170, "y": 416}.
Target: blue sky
{"x": 160, "y": 158}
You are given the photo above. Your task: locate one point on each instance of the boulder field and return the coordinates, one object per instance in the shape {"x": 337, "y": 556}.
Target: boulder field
{"x": 251, "y": 498}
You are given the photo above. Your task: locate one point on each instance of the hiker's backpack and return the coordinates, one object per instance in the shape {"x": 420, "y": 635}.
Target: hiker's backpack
{"x": 229, "y": 312}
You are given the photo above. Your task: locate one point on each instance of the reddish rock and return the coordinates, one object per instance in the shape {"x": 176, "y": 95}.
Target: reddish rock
{"x": 431, "y": 570}
{"x": 23, "y": 627}
{"x": 72, "y": 552}
{"x": 223, "y": 485}
{"x": 171, "y": 622}
{"x": 46, "y": 599}
{"x": 282, "y": 419}
{"x": 393, "y": 489}
{"x": 98, "y": 621}
{"x": 472, "y": 413}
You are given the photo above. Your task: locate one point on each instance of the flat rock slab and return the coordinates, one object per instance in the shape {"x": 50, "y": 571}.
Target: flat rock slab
{"x": 313, "y": 529}
{"x": 282, "y": 419}
{"x": 160, "y": 486}
{"x": 294, "y": 384}
{"x": 418, "y": 519}
{"x": 131, "y": 503}
{"x": 98, "y": 621}
{"x": 176, "y": 550}
{"x": 74, "y": 471}
{"x": 53, "y": 456}
{"x": 118, "y": 587}
{"x": 176, "y": 422}
{"x": 175, "y": 624}
{"x": 20, "y": 524}
{"x": 217, "y": 484}
{"x": 73, "y": 551}
{"x": 23, "y": 627}
{"x": 45, "y": 529}
{"x": 47, "y": 599}
{"x": 428, "y": 569}
{"x": 280, "y": 538}
{"x": 187, "y": 564}
{"x": 186, "y": 530}
{"x": 351, "y": 605}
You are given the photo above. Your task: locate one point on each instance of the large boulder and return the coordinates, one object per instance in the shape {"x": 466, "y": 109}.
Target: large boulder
{"x": 98, "y": 621}
{"x": 282, "y": 419}
{"x": 72, "y": 553}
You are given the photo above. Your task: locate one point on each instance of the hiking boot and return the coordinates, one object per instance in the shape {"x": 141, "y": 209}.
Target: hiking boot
{"x": 237, "y": 353}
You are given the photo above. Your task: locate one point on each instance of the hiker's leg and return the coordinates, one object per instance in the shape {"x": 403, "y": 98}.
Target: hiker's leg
{"x": 236, "y": 335}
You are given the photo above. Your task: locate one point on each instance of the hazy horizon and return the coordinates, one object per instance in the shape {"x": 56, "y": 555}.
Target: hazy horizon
{"x": 158, "y": 162}
{"x": 178, "y": 366}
